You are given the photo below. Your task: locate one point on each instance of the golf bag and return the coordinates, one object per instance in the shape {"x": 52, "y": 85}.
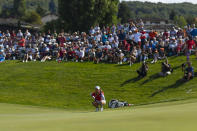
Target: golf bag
{"x": 116, "y": 104}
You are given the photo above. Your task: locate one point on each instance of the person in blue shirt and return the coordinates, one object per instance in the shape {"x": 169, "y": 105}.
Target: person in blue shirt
{"x": 2, "y": 57}
{"x": 188, "y": 72}
{"x": 104, "y": 37}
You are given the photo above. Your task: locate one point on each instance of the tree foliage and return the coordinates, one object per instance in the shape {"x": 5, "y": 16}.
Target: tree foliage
{"x": 32, "y": 17}
{"x": 82, "y": 14}
{"x": 172, "y": 15}
{"x": 19, "y": 7}
{"x": 159, "y": 10}
{"x": 124, "y": 12}
{"x": 52, "y": 7}
{"x": 180, "y": 21}
{"x": 41, "y": 11}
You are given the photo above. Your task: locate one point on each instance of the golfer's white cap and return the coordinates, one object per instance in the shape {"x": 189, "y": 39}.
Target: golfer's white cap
{"x": 97, "y": 87}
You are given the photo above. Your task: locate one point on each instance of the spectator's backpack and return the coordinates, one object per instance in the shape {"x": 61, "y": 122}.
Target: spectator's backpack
{"x": 116, "y": 104}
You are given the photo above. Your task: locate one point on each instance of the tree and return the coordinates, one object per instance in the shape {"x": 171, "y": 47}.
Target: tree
{"x": 124, "y": 12}
{"x": 182, "y": 22}
{"x": 41, "y": 11}
{"x": 82, "y": 14}
{"x": 190, "y": 19}
{"x": 52, "y": 7}
{"x": 172, "y": 15}
{"x": 33, "y": 18}
{"x": 19, "y": 8}
{"x": 176, "y": 19}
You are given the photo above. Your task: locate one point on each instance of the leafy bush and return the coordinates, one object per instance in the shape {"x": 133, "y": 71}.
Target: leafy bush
{"x": 32, "y": 17}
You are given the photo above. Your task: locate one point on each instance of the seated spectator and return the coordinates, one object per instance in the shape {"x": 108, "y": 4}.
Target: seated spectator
{"x": 142, "y": 72}
{"x": 99, "y": 55}
{"x": 2, "y": 56}
{"x": 155, "y": 56}
{"x": 196, "y": 46}
{"x": 46, "y": 53}
{"x": 188, "y": 71}
{"x": 28, "y": 54}
{"x": 143, "y": 56}
{"x": 166, "y": 69}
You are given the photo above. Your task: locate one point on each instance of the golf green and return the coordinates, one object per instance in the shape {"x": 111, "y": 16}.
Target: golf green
{"x": 174, "y": 116}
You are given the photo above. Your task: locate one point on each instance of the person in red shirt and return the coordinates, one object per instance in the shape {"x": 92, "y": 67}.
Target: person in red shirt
{"x": 21, "y": 42}
{"x": 99, "y": 98}
{"x": 152, "y": 34}
{"x": 143, "y": 38}
{"x": 190, "y": 43}
{"x": 62, "y": 40}
{"x": 166, "y": 34}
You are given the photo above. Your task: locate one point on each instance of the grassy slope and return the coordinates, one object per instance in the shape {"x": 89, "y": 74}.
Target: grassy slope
{"x": 175, "y": 116}
{"x": 68, "y": 85}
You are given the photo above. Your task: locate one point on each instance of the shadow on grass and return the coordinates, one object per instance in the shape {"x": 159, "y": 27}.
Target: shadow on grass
{"x": 175, "y": 85}
{"x": 177, "y": 67}
{"x": 156, "y": 76}
{"x": 131, "y": 80}
{"x": 195, "y": 74}
{"x": 126, "y": 64}
{"x": 153, "y": 77}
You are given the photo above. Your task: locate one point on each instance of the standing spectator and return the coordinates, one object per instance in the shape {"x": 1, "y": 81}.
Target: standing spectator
{"x": 121, "y": 57}
{"x": 190, "y": 43}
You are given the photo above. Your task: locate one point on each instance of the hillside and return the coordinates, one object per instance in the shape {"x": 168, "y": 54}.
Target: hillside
{"x": 160, "y": 10}
{"x": 68, "y": 85}
{"x": 31, "y": 4}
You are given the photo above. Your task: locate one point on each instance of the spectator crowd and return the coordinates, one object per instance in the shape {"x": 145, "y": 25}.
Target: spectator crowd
{"x": 116, "y": 44}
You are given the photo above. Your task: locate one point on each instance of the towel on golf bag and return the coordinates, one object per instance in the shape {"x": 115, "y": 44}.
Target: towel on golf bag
{"x": 116, "y": 104}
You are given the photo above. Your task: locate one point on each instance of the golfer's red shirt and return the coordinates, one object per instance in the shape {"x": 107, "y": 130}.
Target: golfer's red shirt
{"x": 98, "y": 97}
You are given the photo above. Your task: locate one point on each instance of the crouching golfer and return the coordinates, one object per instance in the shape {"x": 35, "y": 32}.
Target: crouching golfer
{"x": 99, "y": 98}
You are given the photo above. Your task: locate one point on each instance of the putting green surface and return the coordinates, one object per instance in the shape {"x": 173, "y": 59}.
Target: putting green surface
{"x": 174, "y": 116}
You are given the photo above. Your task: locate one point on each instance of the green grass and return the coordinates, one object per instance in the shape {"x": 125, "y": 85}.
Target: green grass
{"x": 68, "y": 85}
{"x": 173, "y": 116}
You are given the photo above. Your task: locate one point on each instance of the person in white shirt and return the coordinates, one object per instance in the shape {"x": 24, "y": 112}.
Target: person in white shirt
{"x": 137, "y": 37}
{"x": 130, "y": 36}
{"x": 19, "y": 34}
{"x": 98, "y": 36}
{"x": 111, "y": 38}
{"x": 27, "y": 33}
{"x": 107, "y": 45}
{"x": 121, "y": 57}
